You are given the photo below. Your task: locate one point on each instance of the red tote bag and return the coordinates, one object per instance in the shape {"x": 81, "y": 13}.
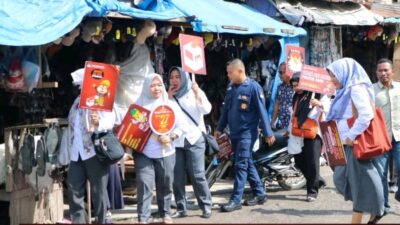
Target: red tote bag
{"x": 374, "y": 141}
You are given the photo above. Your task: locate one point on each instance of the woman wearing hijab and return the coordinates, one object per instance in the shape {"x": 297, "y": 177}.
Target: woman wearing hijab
{"x": 157, "y": 161}
{"x": 308, "y": 159}
{"x": 190, "y": 146}
{"x": 84, "y": 164}
{"x": 358, "y": 181}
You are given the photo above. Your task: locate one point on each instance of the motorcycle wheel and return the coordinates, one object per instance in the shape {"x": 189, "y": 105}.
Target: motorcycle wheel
{"x": 292, "y": 182}
{"x": 215, "y": 173}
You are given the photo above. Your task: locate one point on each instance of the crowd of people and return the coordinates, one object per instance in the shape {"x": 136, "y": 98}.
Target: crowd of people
{"x": 167, "y": 159}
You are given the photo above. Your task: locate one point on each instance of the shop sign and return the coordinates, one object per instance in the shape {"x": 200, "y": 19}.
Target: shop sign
{"x": 316, "y": 79}
{"x": 162, "y": 120}
{"x": 99, "y": 86}
{"x": 192, "y": 54}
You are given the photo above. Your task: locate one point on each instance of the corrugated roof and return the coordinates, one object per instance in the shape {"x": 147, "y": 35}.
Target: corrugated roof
{"x": 386, "y": 10}
{"x": 323, "y": 12}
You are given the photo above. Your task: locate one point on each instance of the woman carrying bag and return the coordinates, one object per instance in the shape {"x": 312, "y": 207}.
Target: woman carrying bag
{"x": 191, "y": 146}
{"x": 358, "y": 181}
{"x": 157, "y": 161}
{"x": 309, "y": 106}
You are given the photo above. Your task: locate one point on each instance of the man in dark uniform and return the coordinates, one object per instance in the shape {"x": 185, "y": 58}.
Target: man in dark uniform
{"x": 243, "y": 111}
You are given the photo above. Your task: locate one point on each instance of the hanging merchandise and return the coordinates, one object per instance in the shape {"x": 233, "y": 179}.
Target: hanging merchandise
{"x": 325, "y": 45}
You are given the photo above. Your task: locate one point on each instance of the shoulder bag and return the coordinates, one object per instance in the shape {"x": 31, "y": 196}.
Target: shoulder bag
{"x": 374, "y": 140}
{"x": 309, "y": 129}
{"x": 108, "y": 149}
{"x": 211, "y": 142}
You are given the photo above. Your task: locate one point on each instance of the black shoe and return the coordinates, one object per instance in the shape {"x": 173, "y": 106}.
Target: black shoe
{"x": 231, "y": 206}
{"x": 261, "y": 199}
{"x": 179, "y": 214}
{"x": 321, "y": 184}
{"x": 397, "y": 197}
{"x": 206, "y": 214}
{"x": 376, "y": 219}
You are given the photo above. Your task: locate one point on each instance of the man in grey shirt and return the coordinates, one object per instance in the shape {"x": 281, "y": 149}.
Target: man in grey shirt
{"x": 387, "y": 97}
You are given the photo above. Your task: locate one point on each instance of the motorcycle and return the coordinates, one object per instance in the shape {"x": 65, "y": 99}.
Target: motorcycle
{"x": 273, "y": 163}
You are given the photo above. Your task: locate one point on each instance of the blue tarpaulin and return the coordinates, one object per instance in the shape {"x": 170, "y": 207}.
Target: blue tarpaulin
{"x": 228, "y": 17}
{"x": 37, "y": 22}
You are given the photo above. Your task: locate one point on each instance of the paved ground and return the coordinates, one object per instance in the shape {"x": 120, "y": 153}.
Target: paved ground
{"x": 282, "y": 207}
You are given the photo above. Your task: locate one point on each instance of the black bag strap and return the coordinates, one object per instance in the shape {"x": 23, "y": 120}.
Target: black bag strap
{"x": 194, "y": 121}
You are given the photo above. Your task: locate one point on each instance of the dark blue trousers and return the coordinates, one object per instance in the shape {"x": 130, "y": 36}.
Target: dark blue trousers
{"x": 245, "y": 170}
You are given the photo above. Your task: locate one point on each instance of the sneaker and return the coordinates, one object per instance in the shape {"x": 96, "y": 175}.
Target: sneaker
{"x": 179, "y": 214}
{"x": 311, "y": 198}
{"x": 393, "y": 189}
{"x": 206, "y": 214}
{"x": 168, "y": 220}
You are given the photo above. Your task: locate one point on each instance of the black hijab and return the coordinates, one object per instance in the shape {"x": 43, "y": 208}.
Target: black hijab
{"x": 302, "y": 104}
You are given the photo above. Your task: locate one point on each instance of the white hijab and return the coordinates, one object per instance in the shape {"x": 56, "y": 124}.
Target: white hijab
{"x": 146, "y": 99}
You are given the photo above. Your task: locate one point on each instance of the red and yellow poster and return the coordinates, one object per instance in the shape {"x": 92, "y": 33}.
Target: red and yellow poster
{"x": 334, "y": 150}
{"x": 192, "y": 54}
{"x": 135, "y": 131}
{"x": 316, "y": 79}
{"x": 99, "y": 86}
{"x": 162, "y": 119}
{"x": 295, "y": 59}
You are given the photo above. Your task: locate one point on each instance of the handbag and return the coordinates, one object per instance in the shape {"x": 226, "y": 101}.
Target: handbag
{"x": 309, "y": 129}
{"x": 108, "y": 149}
{"x": 211, "y": 143}
{"x": 374, "y": 140}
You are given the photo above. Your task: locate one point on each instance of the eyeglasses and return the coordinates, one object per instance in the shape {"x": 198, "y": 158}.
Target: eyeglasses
{"x": 281, "y": 71}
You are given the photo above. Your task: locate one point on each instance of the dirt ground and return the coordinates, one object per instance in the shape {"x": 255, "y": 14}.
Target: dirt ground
{"x": 281, "y": 207}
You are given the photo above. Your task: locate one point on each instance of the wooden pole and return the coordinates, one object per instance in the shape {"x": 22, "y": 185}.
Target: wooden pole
{"x": 89, "y": 203}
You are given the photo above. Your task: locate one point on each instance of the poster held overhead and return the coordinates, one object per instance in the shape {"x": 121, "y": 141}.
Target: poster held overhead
{"x": 316, "y": 79}
{"x": 295, "y": 59}
{"x": 100, "y": 83}
{"x": 192, "y": 54}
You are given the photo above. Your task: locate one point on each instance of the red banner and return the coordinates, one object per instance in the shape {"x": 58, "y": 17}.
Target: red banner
{"x": 316, "y": 79}
{"x": 162, "y": 119}
{"x": 192, "y": 54}
{"x": 295, "y": 59}
{"x": 99, "y": 86}
{"x": 334, "y": 150}
{"x": 134, "y": 130}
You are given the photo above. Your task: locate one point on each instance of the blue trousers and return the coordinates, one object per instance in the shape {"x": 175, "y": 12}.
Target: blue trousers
{"x": 382, "y": 165}
{"x": 245, "y": 170}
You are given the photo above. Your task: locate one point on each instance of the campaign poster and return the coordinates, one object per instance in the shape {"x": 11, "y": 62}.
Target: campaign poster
{"x": 316, "y": 79}
{"x": 192, "y": 54}
{"x": 162, "y": 119}
{"x": 134, "y": 130}
{"x": 295, "y": 59}
{"x": 334, "y": 150}
{"x": 225, "y": 146}
{"x": 99, "y": 85}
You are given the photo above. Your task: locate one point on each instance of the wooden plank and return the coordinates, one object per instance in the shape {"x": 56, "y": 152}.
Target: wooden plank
{"x": 396, "y": 61}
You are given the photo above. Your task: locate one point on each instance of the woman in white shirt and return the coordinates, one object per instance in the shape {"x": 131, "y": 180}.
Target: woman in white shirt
{"x": 190, "y": 146}
{"x": 309, "y": 106}
{"x": 84, "y": 164}
{"x": 358, "y": 181}
{"x": 157, "y": 161}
